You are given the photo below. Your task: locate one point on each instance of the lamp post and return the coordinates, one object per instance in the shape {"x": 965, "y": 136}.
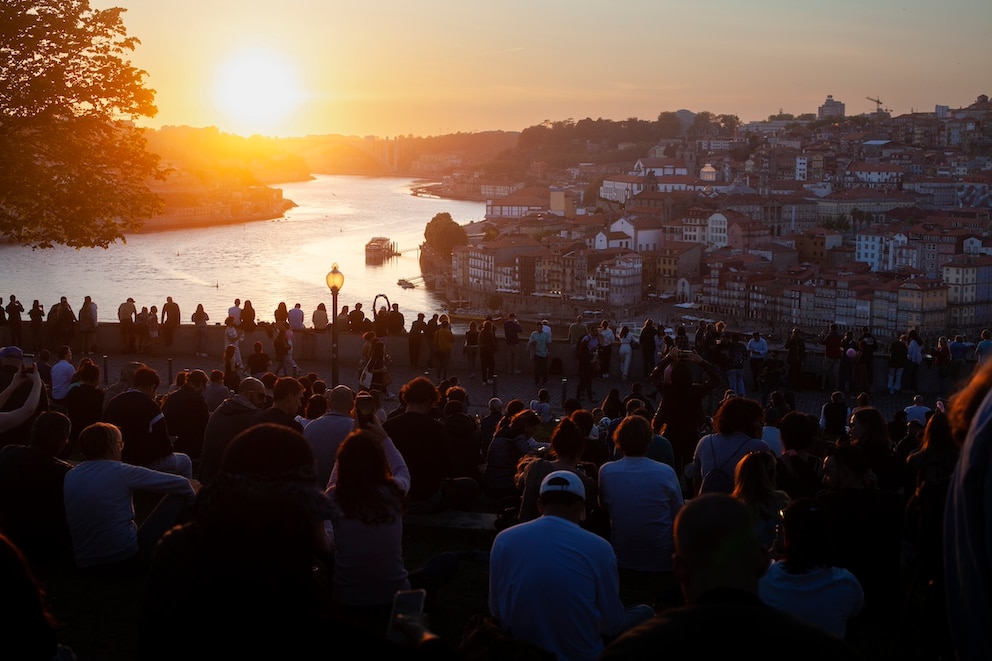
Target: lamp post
{"x": 335, "y": 280}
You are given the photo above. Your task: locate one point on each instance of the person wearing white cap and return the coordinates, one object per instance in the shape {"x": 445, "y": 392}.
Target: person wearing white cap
{"x": 555, "y": 585}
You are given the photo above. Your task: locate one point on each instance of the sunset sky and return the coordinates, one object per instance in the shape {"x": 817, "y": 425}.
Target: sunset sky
{"x": 295, "y": 67}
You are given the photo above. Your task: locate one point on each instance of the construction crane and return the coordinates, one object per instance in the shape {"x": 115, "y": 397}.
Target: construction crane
{"x": 878, "y": 104}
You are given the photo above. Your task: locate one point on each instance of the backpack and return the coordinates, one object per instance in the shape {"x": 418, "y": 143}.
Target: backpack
{"x": 717, "y": 479}
{"x": 737, "y": 355}
{"x": 281, "y": 345}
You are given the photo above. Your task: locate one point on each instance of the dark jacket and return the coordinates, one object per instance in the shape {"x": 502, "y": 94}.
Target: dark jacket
{"x": 234, "y": 415}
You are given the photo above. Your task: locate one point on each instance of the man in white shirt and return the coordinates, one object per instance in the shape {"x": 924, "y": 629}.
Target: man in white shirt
{"x": 757, "y": 351}
{"x": 235, "y": 312}
{"x": 555, "y": 585}
{"x": 917, "y": 411}
{"x": 296, "y": 318}
{"x": 62, "y": 373}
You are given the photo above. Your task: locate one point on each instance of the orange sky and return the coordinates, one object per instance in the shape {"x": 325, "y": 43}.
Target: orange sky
{"x": 439, "y": 66}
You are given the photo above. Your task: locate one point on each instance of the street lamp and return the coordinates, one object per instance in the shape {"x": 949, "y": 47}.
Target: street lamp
{"x": 334, "y": 280}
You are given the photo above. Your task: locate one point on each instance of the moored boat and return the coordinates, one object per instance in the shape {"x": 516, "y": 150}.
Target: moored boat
{"x": 380, "y": 248}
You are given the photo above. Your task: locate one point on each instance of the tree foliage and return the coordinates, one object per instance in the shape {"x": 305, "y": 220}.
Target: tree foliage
{"x": 74, "y": 169}
{"x": 443, "y": 234}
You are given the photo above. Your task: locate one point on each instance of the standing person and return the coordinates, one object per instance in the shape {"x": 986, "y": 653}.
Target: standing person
{"x": 126, "y": 313}
{"x": 234, "y": 312}
{"x": 914, "y": 359}
{"x": 867, "y": 345}
{"x": 795, "y": 356}
{"x": 942, "y": 362}
{"x": 649, "y": 354}
{"x": 200, "y": 319}
{"x": 63, "y": 321}
{"x": 576, "y": 331}
{"x": 959, "y": 361}
{"x": 14, "y": 310}
{"x": 171, "y": 317}
{"x": 487, "y": 351}
{"x": 898, "y": 357}
{"x": 848, "y": 359}
{"x": 471, "y": 346}
{"x": 429, "y": 339}
{"x": 395, "y": 321}
{"x": 736, "y": 357}
{"x": 832, "y": 351}
{"x": 539, "y": 347}
{"x": 37, "y": 316}
{"x": 607, "y": 338}
{"x": 553, "y": 584}
{"x": 511, "y": 334}
{"x": 757, "y": 351}
{"x": 232, "y": 338}
{"x": 62, "y": 374}
{"x": 626, "y": 350}
{"x": 588, "y": 363}
{"x": 415, "y": 338}
{"x": 87, "y": 324}
{"x": 141, "y": 329}
{"x": 153, "y": 329}
{"x": 681, "y": 414}
{"x": 984, "y": 347}
{"x": 444, "y": 340}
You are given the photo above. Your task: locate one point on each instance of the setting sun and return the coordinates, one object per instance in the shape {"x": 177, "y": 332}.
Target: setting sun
{"x": 257, "y": 91}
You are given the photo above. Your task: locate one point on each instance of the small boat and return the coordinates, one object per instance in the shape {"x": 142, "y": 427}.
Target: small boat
{"x": 405, "y": 284}
{"x": 380, "y": 248}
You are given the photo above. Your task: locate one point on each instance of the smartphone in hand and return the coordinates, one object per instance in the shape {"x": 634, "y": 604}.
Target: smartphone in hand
{"x": 27, "y": 363}
{"x": 405, "y": 602}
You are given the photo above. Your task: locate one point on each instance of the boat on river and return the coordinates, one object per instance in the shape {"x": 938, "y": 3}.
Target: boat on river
{"x": 405, "y": 284}
{"x": 380, "y": 248}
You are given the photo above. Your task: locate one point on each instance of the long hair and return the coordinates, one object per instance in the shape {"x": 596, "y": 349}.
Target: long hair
{"x": 964, "y": 404}
{"x": 754, "y": 485}
{"x": 365, "y": 489}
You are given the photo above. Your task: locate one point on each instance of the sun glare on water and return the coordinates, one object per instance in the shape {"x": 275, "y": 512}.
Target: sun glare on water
{"x": 257, "y": 91}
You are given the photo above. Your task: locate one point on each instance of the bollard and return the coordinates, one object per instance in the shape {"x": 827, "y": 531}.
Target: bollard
{"x": 106, "y": 371}
{"x": 494, "y": 379}
{"x": 169, "y": 361}
{"x": 564, "y": 391}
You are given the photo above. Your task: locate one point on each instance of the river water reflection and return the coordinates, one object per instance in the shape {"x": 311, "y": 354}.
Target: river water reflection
{"x": 265, "y": 262}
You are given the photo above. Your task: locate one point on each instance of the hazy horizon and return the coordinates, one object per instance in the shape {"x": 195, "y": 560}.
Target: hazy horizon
{"x": 441, "y": 66}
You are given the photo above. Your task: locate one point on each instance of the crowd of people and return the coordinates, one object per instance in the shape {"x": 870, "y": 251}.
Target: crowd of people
{"x": 279, "y": 500}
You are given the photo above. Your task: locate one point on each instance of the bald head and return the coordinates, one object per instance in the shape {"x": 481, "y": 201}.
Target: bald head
{"x": 716, "y": 546}
{"x": 340, "y": 399}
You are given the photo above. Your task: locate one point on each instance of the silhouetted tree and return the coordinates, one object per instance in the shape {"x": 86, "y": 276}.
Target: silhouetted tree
{"x": 443, "y": 234}
{"x": 74, "y": 168}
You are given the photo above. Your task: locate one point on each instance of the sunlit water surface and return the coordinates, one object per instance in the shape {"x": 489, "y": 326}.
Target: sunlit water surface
{"x": 265, "y": 262}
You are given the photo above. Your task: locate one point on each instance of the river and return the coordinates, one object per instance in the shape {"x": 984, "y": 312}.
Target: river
{"x": 264, "y": 261}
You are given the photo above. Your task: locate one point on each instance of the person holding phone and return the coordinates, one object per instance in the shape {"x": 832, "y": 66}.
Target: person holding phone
{"x": 14, "y": 418}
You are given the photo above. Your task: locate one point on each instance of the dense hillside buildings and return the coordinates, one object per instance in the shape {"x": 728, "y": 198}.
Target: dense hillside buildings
{"x": 885, "y": 222}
